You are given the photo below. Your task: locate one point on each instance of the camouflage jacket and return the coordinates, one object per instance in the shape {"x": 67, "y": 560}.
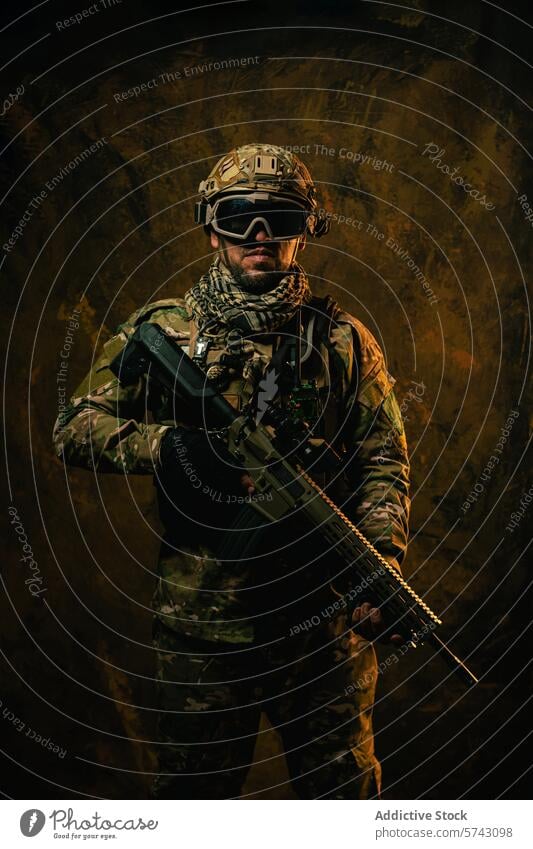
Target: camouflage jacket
{"x": 110, "y": 428}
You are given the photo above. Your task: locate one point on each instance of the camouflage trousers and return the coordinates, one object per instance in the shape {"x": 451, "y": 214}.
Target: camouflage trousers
{"x": 317, "y": 690}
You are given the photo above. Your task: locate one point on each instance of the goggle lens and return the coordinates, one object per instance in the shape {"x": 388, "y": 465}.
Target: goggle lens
{"x": 236, "y": 217}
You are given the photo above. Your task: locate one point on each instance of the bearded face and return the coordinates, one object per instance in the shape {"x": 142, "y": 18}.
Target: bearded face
{"x": 259, "y": 264}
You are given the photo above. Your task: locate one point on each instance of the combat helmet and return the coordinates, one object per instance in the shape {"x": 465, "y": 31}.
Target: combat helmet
{"x": 261, "y": 172}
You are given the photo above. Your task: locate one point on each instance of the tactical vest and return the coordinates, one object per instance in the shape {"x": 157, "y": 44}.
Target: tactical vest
{"x": 315, "y": 394}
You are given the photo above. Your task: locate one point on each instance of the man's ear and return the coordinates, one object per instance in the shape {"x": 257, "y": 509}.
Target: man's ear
{"x": 215, "y": 241}
{"x": 301, "y": 244}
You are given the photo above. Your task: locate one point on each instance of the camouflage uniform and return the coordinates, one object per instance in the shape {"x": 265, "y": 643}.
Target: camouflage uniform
{"x": 210, "y": 627}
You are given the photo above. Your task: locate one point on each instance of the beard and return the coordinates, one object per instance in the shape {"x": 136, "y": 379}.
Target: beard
{"x": 258, "y": 282}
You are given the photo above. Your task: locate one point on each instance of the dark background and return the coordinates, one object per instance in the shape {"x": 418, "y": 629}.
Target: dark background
{"x": 375, "y": 78}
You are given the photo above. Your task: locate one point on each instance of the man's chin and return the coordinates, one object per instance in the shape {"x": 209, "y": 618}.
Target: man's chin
{"x": 257, "y": 279}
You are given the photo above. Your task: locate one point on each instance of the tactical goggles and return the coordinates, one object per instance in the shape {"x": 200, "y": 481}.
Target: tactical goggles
{"x": 236, "y": 216}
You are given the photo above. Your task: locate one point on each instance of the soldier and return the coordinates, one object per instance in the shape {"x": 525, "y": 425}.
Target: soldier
{"x": 237, "y": 638}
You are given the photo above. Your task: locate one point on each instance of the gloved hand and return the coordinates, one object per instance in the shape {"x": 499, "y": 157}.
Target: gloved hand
{"x": 367, "y": 620}
{"x": 194, "y": 461}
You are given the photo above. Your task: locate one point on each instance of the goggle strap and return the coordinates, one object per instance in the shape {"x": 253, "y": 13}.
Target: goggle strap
{"x": 200, "y": 212}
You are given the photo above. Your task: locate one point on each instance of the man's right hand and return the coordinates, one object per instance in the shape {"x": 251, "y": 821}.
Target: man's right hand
{"x": 194, "y": 458}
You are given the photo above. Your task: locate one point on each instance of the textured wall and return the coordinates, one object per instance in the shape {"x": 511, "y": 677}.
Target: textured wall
{"x": 437, "y": 272}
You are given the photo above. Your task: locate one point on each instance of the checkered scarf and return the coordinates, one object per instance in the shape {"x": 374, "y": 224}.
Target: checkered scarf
{"x": 226, "y": 314}
{"x": 217, "y": 305}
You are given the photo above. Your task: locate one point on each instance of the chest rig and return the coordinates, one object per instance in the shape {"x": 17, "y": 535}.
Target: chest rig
{"x": 299, "y": 373}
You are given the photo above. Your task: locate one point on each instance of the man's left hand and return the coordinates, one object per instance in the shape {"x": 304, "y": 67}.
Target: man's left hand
{"x": 368, "y": 622}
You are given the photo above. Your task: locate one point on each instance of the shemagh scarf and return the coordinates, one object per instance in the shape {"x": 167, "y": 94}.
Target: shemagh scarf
{"x": 228, "y": 315}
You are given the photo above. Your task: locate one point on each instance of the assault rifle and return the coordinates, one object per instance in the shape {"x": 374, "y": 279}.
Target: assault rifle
{"x": 262, "y": 449}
